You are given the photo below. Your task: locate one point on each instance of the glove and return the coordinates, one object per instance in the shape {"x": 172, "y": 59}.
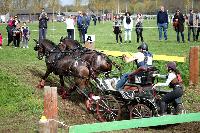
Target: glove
{"x": 154, "y": 86}
{"x": 154, "y": 75}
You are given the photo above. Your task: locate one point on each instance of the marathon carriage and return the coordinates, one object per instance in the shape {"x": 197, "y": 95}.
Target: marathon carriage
{"x": 136, "y": 99}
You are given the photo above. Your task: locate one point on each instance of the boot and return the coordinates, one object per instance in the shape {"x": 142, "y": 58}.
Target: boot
{"x": 179, "y": 109}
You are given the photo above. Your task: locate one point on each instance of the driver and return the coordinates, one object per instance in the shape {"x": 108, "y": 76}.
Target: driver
{"x": 143, "y": 59}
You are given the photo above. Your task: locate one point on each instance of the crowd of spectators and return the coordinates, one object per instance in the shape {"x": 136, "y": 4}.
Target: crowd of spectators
{"x": 18, "y": 33}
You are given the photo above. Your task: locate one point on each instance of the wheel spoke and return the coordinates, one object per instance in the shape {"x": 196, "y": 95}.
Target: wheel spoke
{"x": 108, "y": 108}
{"x": 140, "y": 111}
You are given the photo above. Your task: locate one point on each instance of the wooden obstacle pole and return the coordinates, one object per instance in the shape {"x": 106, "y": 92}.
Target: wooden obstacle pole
{"x": 135, "y": 123}
{"x": 194, "y": 65}
{"x": 47, "y": 123}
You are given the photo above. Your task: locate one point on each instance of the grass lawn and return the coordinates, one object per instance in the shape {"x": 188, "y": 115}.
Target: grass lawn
{"x": 21, "y": 104}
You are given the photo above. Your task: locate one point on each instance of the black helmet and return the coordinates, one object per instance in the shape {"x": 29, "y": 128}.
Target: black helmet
{"x": 171, "y": 66}
{"x": 143, "y": 46}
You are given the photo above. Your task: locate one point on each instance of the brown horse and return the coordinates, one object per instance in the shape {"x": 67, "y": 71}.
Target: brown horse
{"x": 62, "y": 65}
{"x": 99, "y": 62}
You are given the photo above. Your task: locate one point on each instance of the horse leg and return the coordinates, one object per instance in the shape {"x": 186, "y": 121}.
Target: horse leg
{"x": 42, "y": 82}
{"x": 80, "y": 84}
{"x": 67, "y": 93}
{"x": 61, "y": 91}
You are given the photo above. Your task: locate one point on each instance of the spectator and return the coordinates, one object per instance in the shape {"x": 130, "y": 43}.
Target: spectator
{"x": 9, "y": 29}
{"x": 99, "y": 19}
{"x": 25, "y": 35}
{"x": 15, "y": 21}
{"x": 198, "y": 29}
{"x": 117, "y": 23}
{"x": 1, "y": 41}
{"x": 85, "y": 24}
{"x": 79, "y": 25}
{"x": 192, "y": 23}
{"x": 179, "y": 25}
{"x": 95, "y": 20}
{"x": 138, "y": 27}
{"x": 17, "y": 34}
{"x": 128, "y": 25}
{"x": 162, "y": 22}
{"x": 70, "y": 27}
{"x": 43, "y": 18}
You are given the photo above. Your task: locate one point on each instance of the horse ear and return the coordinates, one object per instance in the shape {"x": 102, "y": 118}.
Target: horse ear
{"x": 61, "y": 39}
{"x": 36, "y": 41}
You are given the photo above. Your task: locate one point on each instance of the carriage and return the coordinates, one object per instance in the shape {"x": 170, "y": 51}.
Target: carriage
{"x": 138, "y": 99}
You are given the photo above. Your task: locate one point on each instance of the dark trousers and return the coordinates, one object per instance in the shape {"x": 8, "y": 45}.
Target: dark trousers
{"x": 118, "y": 37}
{"x": 80, "y": 34}
{"x": 139, "y": 35}
{"x": 84, "y": 31}
{"x": 182, "y": 36}
{"x": 198, "y": 30}
{"x": 193, "y": 32}
{"x": 42, "y": 33}
{"x": 10, "y": 38}
{"x": 16, "y": 41}
{"x": 170, "y": 97}
{"x": 70, "y": 33}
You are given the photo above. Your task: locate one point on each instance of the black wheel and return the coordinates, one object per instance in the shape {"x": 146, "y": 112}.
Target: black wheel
{"x": 108, "y": 109}
{"x": 140, "y": 111}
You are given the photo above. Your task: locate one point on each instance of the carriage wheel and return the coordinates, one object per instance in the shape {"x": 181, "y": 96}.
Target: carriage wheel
{"x": 140, "y": 111}
{"x": 108, "y": 109}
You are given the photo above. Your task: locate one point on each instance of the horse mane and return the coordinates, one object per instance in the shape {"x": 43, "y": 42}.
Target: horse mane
{"x": 51, "y": 42}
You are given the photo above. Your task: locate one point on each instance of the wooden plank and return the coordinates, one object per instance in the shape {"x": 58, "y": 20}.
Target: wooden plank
{"x": 155, "y": 57}
{"x": 135, "y": 123}
{"x": 194, "y": 65}
{"x": 50, "y": 111}
{"x": 50, "y": 102}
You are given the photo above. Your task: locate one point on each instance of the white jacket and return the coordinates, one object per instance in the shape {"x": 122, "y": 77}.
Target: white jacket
{"x": 70, "y": 23}
{"x": 128, "y": 26}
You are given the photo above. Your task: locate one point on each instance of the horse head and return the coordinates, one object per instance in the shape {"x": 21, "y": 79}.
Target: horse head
{"x": 37, "y": 44}
{"x": 44, "y": 47}
{"x": 67, "y": 44}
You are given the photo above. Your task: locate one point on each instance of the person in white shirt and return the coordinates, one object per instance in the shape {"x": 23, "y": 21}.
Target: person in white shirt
{"x": 128, "y": 25}
{"x": 143, "y": 60}
{"x": 173, "y": 81}
{"x": 70, "y": 27}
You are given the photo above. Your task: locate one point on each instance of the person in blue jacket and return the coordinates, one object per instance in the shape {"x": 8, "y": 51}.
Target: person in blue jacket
{"x": 162, "y": 22}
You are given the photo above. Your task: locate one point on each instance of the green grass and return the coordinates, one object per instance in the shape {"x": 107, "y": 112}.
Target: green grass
{"x": 21, "y": 105}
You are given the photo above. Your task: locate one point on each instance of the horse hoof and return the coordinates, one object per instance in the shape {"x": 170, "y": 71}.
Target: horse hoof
{"x": 65, "y": 95}
{"x": 39, "y": 86}
{"x": 61, "y": 91}
{"x": 88, "y": 104}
